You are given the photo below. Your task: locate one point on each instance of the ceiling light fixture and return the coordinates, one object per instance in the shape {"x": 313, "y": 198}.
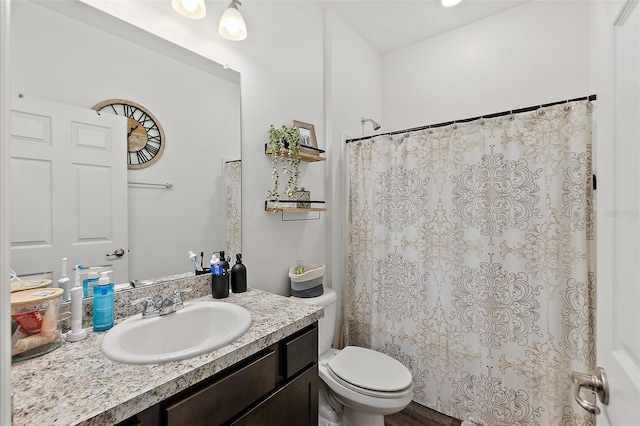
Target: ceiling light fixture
{"x": 193, "y": 9}
{"x": 232, "y": 26}
{"x": 449, "y": 3}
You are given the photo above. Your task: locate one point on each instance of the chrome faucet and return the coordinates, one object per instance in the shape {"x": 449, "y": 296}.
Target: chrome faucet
{"x": 149, "y": 310}
{"x": 173, "y": 303}
{"x": 166, "y": 306}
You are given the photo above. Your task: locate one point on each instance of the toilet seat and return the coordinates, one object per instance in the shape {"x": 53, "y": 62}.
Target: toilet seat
{"x": 370, "y": 373}
{"x": 369, "y": 392}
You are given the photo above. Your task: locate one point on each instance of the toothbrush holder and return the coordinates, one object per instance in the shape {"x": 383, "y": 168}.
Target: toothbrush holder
{"x": 220, "y": 286}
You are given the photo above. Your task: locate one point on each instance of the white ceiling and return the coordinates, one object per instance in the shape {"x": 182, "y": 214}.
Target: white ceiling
{"x": 388, "y": 25}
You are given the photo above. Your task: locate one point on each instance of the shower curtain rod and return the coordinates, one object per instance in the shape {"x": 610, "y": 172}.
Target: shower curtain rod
{"x": 466, "y": 120}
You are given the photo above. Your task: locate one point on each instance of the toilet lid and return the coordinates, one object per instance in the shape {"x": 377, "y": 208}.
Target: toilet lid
{"x": 369, "y": 369}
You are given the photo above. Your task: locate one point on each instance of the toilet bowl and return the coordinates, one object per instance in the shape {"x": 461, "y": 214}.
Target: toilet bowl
{"x": 368, "y": 384}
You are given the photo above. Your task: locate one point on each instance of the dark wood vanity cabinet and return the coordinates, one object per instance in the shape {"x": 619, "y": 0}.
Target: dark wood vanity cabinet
{"x": 276, "y": 386}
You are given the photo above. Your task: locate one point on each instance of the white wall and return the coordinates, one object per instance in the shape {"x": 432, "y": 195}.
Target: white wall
{"x": 282, "y": 80}
{"x": 60, "y": 59}
{"x": 353, "y": 87}
{"x": 531, "y": 54}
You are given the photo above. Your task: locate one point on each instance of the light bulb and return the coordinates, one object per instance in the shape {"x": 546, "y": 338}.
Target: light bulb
{"x": 190, "y": 5}
{"x": 233, "y": 27}
{"x": 193, "y": 9}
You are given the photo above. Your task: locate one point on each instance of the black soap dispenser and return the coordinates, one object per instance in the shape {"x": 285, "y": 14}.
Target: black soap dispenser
{"x": 238, "y": 276}
{"x": 224, "y": 262}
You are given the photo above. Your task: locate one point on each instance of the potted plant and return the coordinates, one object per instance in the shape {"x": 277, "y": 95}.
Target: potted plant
{"x": 285, "y": 154}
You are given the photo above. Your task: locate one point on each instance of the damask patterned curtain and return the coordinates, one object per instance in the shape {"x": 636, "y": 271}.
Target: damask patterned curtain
{"x": 470, "y": 261}
{"x": 233, "y": 219}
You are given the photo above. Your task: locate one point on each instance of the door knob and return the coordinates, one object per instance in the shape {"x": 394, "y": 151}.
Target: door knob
{"x": 117, "y": 252}
{"x": 597, "y": 383}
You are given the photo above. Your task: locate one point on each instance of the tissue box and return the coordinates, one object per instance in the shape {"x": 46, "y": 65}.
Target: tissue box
{"x": 309, "y": 283}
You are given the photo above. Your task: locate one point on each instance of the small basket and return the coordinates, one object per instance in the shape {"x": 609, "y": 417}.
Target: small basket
{"x": 309, "y": 283}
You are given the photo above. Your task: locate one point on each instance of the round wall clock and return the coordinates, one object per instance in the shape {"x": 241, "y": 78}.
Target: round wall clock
{"x": 145, "y": 137}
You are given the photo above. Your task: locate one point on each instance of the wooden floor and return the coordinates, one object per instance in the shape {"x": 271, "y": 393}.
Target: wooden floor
{"x": 416, "y": 414}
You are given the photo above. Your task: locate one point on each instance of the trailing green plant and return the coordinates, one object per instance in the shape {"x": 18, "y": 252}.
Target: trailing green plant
{"x": 285, "y": 153}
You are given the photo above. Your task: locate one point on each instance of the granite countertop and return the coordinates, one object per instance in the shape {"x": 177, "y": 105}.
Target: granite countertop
{"x": 77, "y": 385}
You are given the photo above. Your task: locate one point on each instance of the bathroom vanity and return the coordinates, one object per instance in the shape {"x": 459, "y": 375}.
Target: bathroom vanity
{"x": 267, "y": 376}
{"x": 277, "y": 386}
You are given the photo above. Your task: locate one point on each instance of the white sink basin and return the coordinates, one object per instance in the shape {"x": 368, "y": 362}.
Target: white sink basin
{"x": 198, "y": 328}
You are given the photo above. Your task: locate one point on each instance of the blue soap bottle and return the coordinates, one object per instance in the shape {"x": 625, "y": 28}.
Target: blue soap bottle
{"x": 103, "y": 303}
{"x": 88, "y": 284}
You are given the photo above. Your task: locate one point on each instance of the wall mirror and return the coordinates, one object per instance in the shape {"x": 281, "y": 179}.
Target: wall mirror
{"x": 87, "y": 57}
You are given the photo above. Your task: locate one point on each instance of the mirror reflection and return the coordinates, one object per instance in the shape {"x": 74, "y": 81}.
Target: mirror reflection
{"x": 187, "y": 199}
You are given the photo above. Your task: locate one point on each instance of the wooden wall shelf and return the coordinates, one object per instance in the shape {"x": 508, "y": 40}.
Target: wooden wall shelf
{"x": 270, "y": 207}
{"x": 309, "y": 155}
{"x": 295, "y": 210}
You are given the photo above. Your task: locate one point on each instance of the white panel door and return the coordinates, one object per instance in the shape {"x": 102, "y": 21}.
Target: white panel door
{"x": 618, "y": 201}
{"x": 68, "y": 188}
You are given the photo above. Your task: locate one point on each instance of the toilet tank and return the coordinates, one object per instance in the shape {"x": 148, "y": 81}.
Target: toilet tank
{"x": 326, "y": 324}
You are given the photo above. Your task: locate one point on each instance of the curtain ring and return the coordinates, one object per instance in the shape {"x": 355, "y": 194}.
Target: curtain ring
{"x": 429, "y": 130}
{"x": 511, "y": 116}
{"x": 589, "y": 106}
{"x": 541, "y": 111}
{"x": 454, "y": 126}
{"x": 482, "y": 121}
{"x": 567, "y": 106}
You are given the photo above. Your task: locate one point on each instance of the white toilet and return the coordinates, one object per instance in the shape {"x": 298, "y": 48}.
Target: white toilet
{"x": 367, "y": 383}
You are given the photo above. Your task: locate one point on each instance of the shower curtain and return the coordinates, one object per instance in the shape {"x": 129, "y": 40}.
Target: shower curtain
{"x": 470, "y": 261}
{"x": 233, "y": 219}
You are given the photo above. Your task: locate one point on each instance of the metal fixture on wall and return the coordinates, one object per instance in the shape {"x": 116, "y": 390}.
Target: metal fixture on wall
{"x": 375, "y": 124}
{"x": 232, "y": 26}
{"x": 193, "y": 9}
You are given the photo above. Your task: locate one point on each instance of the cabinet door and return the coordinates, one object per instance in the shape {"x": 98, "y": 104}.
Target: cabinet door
{"x": 301, "y": 351}
{"x": 296, "y": 404}
{"x": 228, "y": 396}
{"x": 148, "y": 417}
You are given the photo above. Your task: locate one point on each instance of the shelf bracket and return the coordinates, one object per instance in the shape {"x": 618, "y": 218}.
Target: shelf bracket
{"x": 282, "y": 218}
